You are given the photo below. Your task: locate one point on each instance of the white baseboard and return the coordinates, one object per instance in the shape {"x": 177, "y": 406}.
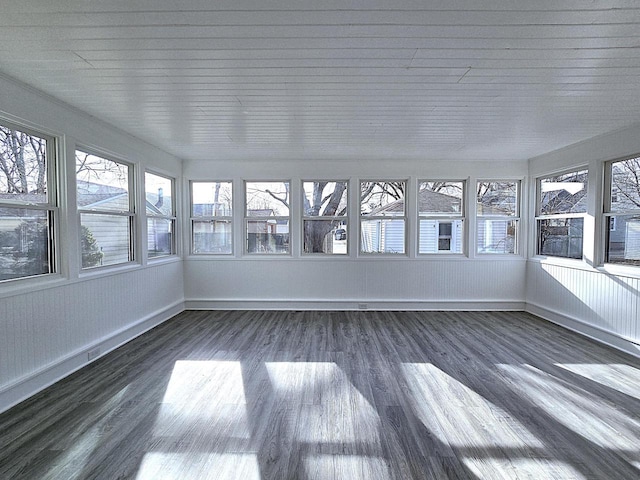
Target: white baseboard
{"x": 596, "y": 333}
{"x": 351, "y": 305}
{"x": 24, "y": 387}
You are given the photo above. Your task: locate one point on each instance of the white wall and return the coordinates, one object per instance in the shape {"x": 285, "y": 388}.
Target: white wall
{"x": 47, "y": 325}
{"x": 602, "y": 302}
{"x": 389, "y": 282}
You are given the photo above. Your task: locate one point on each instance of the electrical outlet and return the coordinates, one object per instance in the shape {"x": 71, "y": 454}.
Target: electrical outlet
{"x": 93, "y": 354}
{"x": 363, "y": 306}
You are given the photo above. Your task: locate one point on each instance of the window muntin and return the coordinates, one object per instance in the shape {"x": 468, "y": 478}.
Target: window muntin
{"x": 267, "y": 217}
{"x": 440, "y": 216}
{"x": 622, "y": 212}
{"x": 106, "y": 209}
{"x": 560, "y": 211}
{"x": 161, "y": 216}
{"x": 382, "y": 217}
{"x": 497, "y": 216}
{"x": 324, "y": 219}
{"x": 212, "y": 217}
{"x": 28, "y": 203}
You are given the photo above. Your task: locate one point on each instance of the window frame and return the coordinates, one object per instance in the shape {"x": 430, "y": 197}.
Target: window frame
{"x": 247, "y": 219}
{"x": 444, "y": 217}
{"x": 516, "y": 217}
{"x": 557, "y": 216}
{"x": 51, "y": 206}
{"x": 405, "y": 218}
{"x": 131, "y": 214}
{"x": 341, "y": 218}
{"x": 211, "y": 218}
{"x": 172, "y": 219}
{"x": 609, "y": 217}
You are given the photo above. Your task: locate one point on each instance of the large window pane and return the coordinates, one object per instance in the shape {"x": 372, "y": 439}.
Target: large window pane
{"x": 562, "y": 194}
{"x": 23, "y": 166}
{"x": 160, "y": 237}
{"x": 268, "y": 236}
{"x": 625, "y": 185}
{"x": 325, "y": 236}
{"x": 212, "y": 236}
{"x": 496, "y": 236}
{"x": 440, "y": 235}
{"x": 497, "y": 198}
{"x": 158, "y": 194}
{"x": 106, "y": 239}
{"x": 382, "y": 199}
{"x": 325, "y": 199}
{"x": 623, "y": 239}
{"x": 211, "y": 199}
{"x": 561, "y": 237}
{"x": 24, "y": 243}
{"x": 102, "y": 184}
{"x": 265, "y": 199}
{"x": 440, "y": 198}
{"x": 382, "y": 236}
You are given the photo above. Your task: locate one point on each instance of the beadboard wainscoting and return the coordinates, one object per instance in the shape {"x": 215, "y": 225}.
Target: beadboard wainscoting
{"x": 385, "y": 284}
{"x": 49, "y": 333}
{"x": 595, "y": 303}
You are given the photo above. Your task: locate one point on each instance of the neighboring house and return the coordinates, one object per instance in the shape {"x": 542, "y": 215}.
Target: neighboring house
{"x": 436, "y": 235}
{"x": 107, "y": 230}
{"x": 624, "y": 230}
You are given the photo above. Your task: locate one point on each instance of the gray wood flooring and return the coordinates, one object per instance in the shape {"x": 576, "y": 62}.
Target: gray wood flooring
{"x": 337, "y": 395}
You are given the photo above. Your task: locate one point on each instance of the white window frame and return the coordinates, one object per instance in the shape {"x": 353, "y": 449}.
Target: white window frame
{"x": 51, "y": 206}
{"x": 172, "y": 219}
{"x": 516, "y": 217}
{"x": 344, "y": 219}
{"x": 228, "y": 219}
{"x": 609, "y": 216}
{"x": 539, "y": 216}
{"x": 275, "y": 218}
{"x": 382, "y": 218}
{"x": 444, "y": 217}
{"x": 130, "y": 214}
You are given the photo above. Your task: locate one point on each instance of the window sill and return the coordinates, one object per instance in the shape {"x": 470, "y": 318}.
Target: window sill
{"x": 27, "y": 285}
{"x": 629, "y": 271}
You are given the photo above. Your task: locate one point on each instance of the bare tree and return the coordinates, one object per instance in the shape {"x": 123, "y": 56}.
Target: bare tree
{"x": 626, "y": 182}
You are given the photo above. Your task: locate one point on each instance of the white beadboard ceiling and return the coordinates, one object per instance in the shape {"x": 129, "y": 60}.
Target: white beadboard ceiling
{"x": 314, "y": 80}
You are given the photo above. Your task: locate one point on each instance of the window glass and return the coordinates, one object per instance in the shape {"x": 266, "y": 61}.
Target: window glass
{"x": 267, "y": 217}
{"x": 325, "y": 217}
{"x": 498, "y": 212}
{"x": 623, "y": 214}
{"x": 161, "y": 219}
{"x": 561, "y": 205}
{"x": 441, "y": 217}
{"x": 106, "y": 210}
{"x": 27, "y": 204}
{"x": 380, "y": 200}
{"x": 211, "y": 218}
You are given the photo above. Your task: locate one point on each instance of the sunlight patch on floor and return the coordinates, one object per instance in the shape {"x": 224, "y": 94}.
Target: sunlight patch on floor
{"x": 204, "y": 401}
{"x": 437, "y": 397}
{"x": 579, "y": 410}
{"x": 199, "y": 466}
{"x": 620, "y": 377}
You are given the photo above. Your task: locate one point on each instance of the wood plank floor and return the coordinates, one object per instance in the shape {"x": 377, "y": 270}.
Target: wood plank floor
{"x": 337, "y": 395}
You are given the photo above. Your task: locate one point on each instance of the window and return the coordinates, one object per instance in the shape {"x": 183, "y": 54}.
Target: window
{"x": 324, "y": 219}
{"x": 561, "y": 206}
{"x": 267, "y": 217}
{"x": 498, "y": 216}
{"x": 161, "y": 215}
{"x": 441, "y": 216}
{"x": 622, "y": 211}
{"x": 382, "y": 217}
{"x": 106, "y": 209}
{"x": 27, "y": 203}
{"x": 211, "y": 217}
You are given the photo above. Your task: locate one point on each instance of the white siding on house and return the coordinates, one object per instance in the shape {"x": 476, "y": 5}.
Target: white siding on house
{"x": 429, "y": 236}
